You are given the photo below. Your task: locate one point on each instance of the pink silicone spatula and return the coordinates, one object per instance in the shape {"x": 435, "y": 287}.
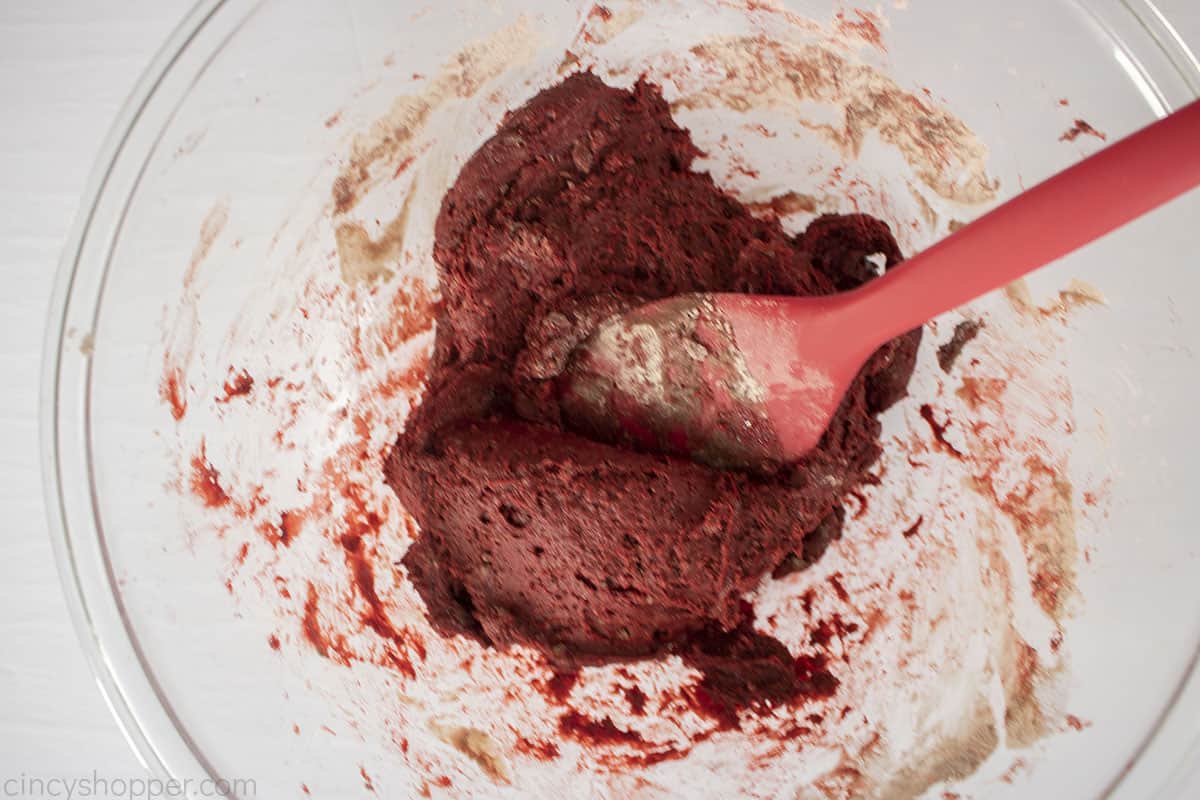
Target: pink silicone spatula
{"x": 741, "y": 379}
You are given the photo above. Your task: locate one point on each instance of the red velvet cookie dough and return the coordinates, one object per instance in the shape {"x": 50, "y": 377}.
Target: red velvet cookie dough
{"x": 583, "y": 205}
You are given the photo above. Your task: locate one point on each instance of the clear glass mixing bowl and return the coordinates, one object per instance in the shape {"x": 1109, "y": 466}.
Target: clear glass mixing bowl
{"x": 248, "y": 109}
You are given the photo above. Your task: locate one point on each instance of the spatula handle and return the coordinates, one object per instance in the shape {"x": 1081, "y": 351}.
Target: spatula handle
{"x": 1077, "y": 206}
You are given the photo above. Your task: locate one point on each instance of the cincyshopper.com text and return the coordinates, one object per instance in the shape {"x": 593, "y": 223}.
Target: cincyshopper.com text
{"x": 102, "y": 787}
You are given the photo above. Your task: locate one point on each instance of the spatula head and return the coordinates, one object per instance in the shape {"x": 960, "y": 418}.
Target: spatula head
{"x": 669, "y": 377}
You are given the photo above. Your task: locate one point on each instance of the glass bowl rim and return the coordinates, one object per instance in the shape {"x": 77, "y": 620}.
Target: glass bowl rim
{"x": 128, "y": 705}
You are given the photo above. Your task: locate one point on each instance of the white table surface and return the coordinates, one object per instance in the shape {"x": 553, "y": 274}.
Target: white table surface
{"x": 65, "y": 68}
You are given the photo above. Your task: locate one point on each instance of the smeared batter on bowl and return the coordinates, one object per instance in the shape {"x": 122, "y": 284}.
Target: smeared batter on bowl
{"x": 941, "y": 611}
{"x": 581, "y": 206}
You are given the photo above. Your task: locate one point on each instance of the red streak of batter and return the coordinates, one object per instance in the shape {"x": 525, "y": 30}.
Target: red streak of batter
{"x": 206, "y": 482}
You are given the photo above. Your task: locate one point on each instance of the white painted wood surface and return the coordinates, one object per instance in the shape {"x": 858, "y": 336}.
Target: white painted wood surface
{"x": 65, "y": 68}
